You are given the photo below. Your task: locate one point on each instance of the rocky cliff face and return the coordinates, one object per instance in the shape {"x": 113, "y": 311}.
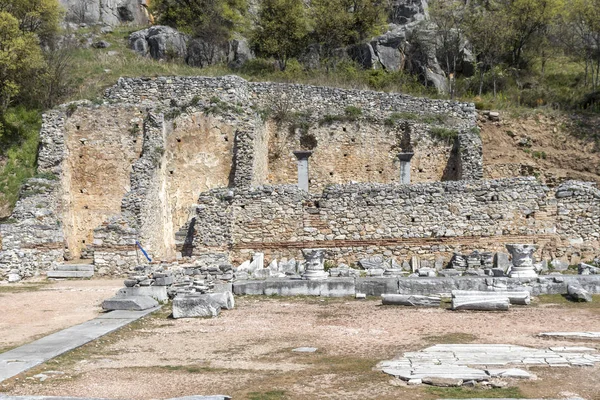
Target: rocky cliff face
{"x": 108, "y": 12}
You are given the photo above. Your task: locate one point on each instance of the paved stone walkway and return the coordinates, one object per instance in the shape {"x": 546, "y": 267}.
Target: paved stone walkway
{"x": 457, "y": 361}
{"x": 572, "y": 335}
{"x": 22, "y": 358}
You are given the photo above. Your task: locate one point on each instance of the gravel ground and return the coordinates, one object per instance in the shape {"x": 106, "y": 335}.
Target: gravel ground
{"x": 246, "y": 352}
{"x": 35, "y": 309}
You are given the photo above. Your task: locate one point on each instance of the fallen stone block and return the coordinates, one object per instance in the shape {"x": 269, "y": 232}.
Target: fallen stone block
{"x": 485, "y": 303}
{"x": 131, "y": 303}
{"x": 442, "y": 382}
{"x": 163, "y": 281}
{"x": 521, "y": 298}
{"x": 158, "y": 293}
{"x": 587, "y": 269}
{"x": 410, "y": 300}
{"x": 578, "y": 293}
{"x": 195, "y": 305}
{"x": 224, "y": 299}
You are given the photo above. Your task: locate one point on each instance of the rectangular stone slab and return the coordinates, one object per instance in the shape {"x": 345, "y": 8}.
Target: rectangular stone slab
{"x": 410, "y": 300}
{"x": 131, "y": 303}
{"x": 521, "y": 297}
{"x": 70, "y": 274}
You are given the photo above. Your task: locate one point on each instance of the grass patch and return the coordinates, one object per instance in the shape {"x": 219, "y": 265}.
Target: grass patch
{"x": 23, "y": 288}
{"x": 192, "y": 369}
{"x": 562, "y": 300}
{"x": 470, "y": 393}
{"x": 270, "y": 395}
{"x": 443, "y": 133}
{"x": 451, "y": 338}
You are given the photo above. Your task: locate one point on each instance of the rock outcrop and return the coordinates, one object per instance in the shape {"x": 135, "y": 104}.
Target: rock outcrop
{"x": 108, "y": 12}
{"x": 163, "y": 43}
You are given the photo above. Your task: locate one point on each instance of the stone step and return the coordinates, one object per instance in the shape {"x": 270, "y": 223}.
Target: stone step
{"x": 70, "y": 274}
{"x": 75, "y": 267}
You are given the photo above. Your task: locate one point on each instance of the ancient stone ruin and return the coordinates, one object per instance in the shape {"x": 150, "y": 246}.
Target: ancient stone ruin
{"x": 217, "y": 173}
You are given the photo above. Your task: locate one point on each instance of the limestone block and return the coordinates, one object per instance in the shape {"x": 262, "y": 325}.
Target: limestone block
{"x": 521, "y": 297}
{"x": 131, "y": 303}
{"x": 578, "y": 293}
{"x": 484, "y": 303}
{"x": 195, "y": 305}
{"x": 158, "y": 293}
{"x": 410, "y": 300}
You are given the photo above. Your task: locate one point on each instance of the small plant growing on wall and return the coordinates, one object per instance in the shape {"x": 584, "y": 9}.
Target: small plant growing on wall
{"x": 134, "y": 129}
{"x": 71, "y": 108}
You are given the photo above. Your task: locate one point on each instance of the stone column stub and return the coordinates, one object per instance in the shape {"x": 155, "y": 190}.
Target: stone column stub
{"x": 302, "y": 156}
{"x": 405, "y": 166}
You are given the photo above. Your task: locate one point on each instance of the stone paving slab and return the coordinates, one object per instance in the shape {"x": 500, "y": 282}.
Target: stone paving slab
{"x": 70, "y": 274}
{"x": 572, "y": 335}
{"x": 22, "y": 358}
{"x": 472, "y": 361}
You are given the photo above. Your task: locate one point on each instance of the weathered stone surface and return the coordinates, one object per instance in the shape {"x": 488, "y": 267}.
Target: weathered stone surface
{"x": 191, "y": 306}
{"x": 410, "y": 300}
{"x": 158, "y": 293}
{"x": 223, "y": 299}
{"x": 510, "y": 373}
{"x": 373, "y": 262}
{"x": 305, "y": 350}
{"x": 521, "y": 298}
{"x": 522, "y": 260}
{"x": 130, "y": 303}
{"x": 578, "y": 293}
{"x": 443, "y": 382}
{"x": 587, "y": 269}
{"x": 483, "y": 303}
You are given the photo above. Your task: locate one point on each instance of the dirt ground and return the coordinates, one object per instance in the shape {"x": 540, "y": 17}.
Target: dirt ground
{"x": 553, "y": 147}
{"x": 246, "y": 352}
{"x": 34, "y": 309}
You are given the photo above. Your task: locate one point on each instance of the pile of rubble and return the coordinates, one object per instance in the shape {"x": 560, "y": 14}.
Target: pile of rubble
{"x": 194, "y": 291}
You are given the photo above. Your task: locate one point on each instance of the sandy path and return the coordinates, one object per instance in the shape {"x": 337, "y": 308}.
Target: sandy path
{"x": 26, "y": 316}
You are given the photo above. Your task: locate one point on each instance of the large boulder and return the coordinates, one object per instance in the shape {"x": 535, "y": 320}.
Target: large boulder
{"x": 160, "y": 42}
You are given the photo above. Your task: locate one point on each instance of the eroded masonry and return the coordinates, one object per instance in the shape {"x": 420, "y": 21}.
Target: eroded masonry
{"x": 200, "y": 167}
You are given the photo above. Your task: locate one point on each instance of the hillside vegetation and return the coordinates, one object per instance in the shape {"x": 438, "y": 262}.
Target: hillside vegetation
{"x": 539, "y": 65}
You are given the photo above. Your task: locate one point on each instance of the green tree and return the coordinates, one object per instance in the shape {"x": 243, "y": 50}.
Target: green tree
{"x": 281, "y": 30}
{"x": 527, "y": 20}
{"x": 488, "y": 31}
{"x": 447, "y": 19}
{"x": 581, "y": 36}
{"x": 339, "y": 23}
{"x": 213, "y": 21}
{"x": 20, "y": 55}
{"x": 41, "y": 17}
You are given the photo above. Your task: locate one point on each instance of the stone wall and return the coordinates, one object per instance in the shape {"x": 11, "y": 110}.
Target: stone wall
{"x": 353, "y": 221}
{"x": 32, "y": 240}
{"x": 578, "y": 220}
{"x": 219, "y": 150}
{"x": 102, "y": 143}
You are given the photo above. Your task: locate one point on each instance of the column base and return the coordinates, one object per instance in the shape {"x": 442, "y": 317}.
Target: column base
{"x": 528, "y": 273}
{"x": 315, "y": 275}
